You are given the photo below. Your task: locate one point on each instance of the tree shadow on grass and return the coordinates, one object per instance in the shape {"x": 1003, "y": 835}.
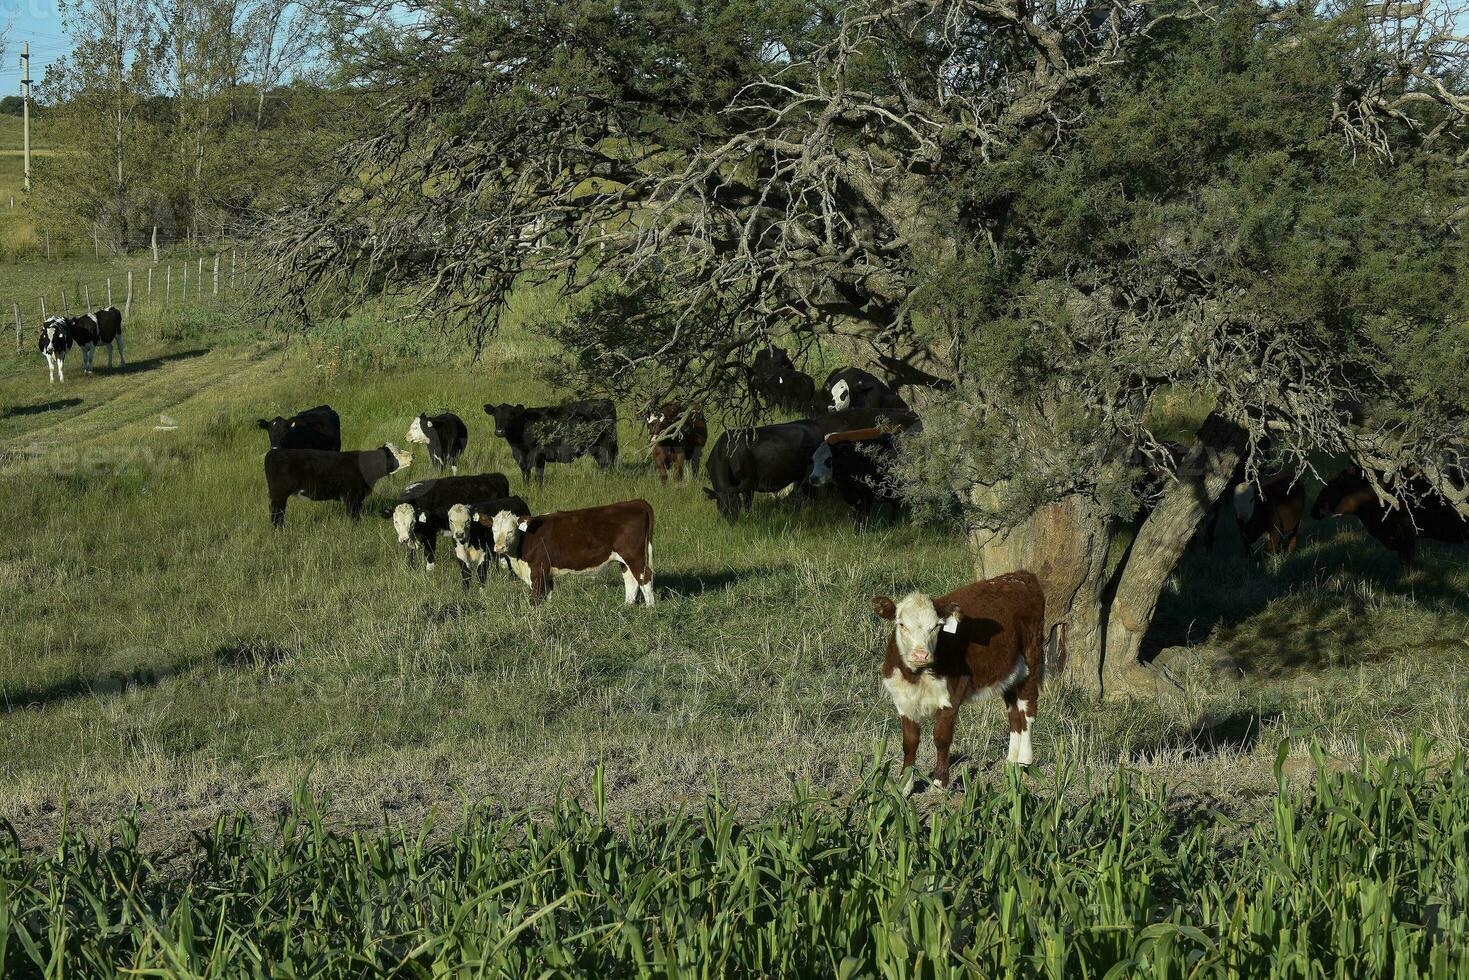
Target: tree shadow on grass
{"x": 1333, "y": 582}
{"x": 1236, "y": 733}
{"x": 103, "y": 685}
{"x": 20, "y": 411}
{"x": 690, "y": 584}
{"x": 251, "y": 654}
{"x": 152, "y": 363}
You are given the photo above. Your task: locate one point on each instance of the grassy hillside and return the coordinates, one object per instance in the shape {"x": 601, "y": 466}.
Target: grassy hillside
{"x": 166, "y": 647}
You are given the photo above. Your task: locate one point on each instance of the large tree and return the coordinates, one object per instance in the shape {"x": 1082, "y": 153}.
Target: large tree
{"x": 1063, "y": 213}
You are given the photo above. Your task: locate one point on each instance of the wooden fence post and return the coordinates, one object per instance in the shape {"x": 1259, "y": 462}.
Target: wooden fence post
{"x": 127, "y": 304}
{"x": 65, "y": 307}
{"x": 168, "y": 286}
{"x": 184, "y": 292}
{"x": 216, "y": 274}
{"x": 150, "y": 286}
{"x": 199, "y": 279}
{"x": 109, "y": 290}
{"x": 232, "y": 270}
{"x": 43, "y": 309}
{"x": 86, "y": 298}
{"x": 154, "y": 244}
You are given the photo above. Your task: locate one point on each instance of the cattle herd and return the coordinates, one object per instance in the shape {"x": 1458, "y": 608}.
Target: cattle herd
{"x": 986, "y": 636}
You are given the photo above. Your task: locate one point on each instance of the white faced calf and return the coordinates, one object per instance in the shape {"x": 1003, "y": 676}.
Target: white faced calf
{"x": 987, "y": 636}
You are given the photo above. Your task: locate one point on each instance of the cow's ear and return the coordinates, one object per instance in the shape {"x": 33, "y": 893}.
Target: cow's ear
{"x": 951, "y": 614}
{"x": 884, "y": 607}
{"x": 709, "y": 492}
{"x": 262, "y": 424}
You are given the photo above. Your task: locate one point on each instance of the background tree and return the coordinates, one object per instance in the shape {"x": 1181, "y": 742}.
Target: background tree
{"x": 1066, "y": 212}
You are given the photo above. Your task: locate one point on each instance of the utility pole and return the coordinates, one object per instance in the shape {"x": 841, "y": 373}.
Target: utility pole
{"x": 25, "y": 110}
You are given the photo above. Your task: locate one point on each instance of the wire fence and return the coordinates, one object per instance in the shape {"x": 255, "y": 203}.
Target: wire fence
{"x": 168, "y": 282}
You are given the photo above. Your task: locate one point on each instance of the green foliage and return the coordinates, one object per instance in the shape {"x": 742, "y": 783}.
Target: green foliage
{"x": 1364, "y": 874}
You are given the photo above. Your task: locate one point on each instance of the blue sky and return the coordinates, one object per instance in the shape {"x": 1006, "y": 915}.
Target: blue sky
{"x": 39, "y": 22}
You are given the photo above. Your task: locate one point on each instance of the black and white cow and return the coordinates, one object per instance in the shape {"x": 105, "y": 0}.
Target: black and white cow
{"x": 315, "y": 428}
{"x": 854, "y": 388}
{"x": 446, "y": 437}
{"x": 320, "y": 474}
{"x": 103, "y": 327}
{"x": 55, "y": 343}
{"x": 557, "y": 433}
{"x": 474, "y": 540}
{"x": 422, "y": 511}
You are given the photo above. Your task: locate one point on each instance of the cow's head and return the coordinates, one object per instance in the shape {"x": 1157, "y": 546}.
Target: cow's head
{"x": 1345, "y": 493}
{"x": 841, "y": 396}
{"x": 420, "y": 429}
{"x": 404, "y": 517}
{"x": 507, "y": 527}
{"x": 277, "y": 428}
{"x": 460, "y": 517}
{"x": 918, "y": 624}
{"x": 507, "y": 418}
{"x": 821, "y": 464}
{"x": 400, "y": 458}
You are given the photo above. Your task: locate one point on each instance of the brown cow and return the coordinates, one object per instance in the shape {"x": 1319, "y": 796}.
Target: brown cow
{"x": 677, "y": 434}
{"x": 542, "y": 546}
{"x": 1274, "y": 509}
{"x": 987, "y": 636}
{"x": 1424, "y": 514}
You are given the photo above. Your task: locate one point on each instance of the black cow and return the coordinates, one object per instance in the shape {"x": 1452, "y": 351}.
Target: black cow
{"x": 776, "y": 381}
{"x": 557, "y": 433}
{"x": 445, "y": 435}
{"x": 422, "y": 510}
{"x": 103, "y": 327}
{"x": 1429, "y": 515}
{"x": 320, "y": 474}
{"x": 54, "y": 346}
{"x": 894, "y": 419}
{"x": 767, "y": 459}
{"x": 856, "y": 463}
{"x": 315, "y": 428}
{"x": 854, "y": 388}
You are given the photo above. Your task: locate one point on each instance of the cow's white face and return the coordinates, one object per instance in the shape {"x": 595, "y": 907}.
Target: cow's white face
{"x": 416, "y": 431}
{"x": 400, "y": 456}
{"x": 459, "y": 522}
{"x": 507, "y": 528}
{"x": 841, "y": 396}
{"x": 917, "y": 629}
{"x": 403, "y": 518}
{"x": 821, "y": 464}
{"x": 1245, "y": 495}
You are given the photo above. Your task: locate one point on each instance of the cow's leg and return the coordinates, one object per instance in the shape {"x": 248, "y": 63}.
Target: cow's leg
{"x": 121, "y": 361}
{"x": 354, "y": 508}
{"x": 660, "y": 461}
{"x": 278, "y": 509}
{"x": 408, "y": 554}
{"x": 430, "y": 549}
{"x": 678, "y": 467}
{"x": 629, "y": 586}
{"x": 483, "y": 568}
{"x": 911, "y": 731}
{"x": 943, "y": 737}
{"x": 61, "y": 369}
{"x": 50, "y": 369}
{"x": 540, "y": 584}
{"x": 608, "y": 456}
{"x": 645, "y": 584}
{"x": 694, "y": 463}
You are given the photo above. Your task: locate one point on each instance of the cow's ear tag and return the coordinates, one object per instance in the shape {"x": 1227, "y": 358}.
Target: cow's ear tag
{"x": 524, "y": 525}
{"x": 951, "y": 625}
{"x": 423, "y": 518}
{"x": 427, "y": 424}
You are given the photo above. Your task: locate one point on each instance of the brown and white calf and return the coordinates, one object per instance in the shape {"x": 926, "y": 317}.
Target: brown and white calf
{"x": 988, "y": 636}
{"x": 546, "y": 545}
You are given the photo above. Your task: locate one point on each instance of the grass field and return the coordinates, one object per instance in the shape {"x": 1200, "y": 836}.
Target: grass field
{"x": 168, "y": 655}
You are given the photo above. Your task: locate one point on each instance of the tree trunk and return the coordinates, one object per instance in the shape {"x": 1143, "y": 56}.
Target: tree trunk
{"x": 1155, "y": 553}
{"x": 1065, "y": 544}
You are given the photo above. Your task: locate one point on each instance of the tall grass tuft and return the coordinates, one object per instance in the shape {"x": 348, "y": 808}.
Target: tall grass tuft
{"x": 1363, "y": 873}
